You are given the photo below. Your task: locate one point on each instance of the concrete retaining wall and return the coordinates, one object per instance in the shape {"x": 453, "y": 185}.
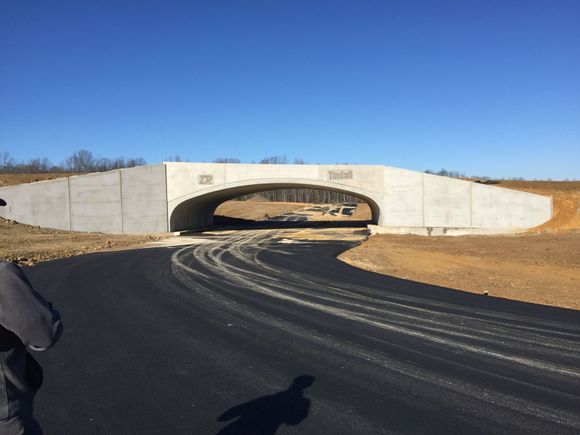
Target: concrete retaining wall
{"x": 493, "y": 207}
{"x": 144, "y": 199}
{"x": 95, "y": 202}
{"x": 45, "y": 203}
{"x": 176, "y": 196}
{"x": 121, "y": 201}
{"x": 414, "y": 200}
{"x": 402, "y": 204}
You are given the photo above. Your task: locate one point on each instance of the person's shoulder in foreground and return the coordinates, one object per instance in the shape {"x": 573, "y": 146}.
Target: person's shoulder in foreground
{"x": 27, "y": 320}
{"x": 24, "y": 311}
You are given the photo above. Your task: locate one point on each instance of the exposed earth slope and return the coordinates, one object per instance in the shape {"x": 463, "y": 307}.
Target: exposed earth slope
{"x": 540, "y": 266}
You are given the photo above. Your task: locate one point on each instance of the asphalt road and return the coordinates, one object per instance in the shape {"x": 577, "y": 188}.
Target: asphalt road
{"x": 210, "y": 337}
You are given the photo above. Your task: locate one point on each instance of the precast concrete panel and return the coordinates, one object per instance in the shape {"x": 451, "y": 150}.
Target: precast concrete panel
{"x": 446, "y": 202}
{"x": 371, "y": 178}
{"x": 185, "y": 178}
{"x": 144, "y": 199}
{"x": 494, "y": 207}
{"x": 45, "y": 203}
{"x": 95, "y": 202}
{"x": 402, "y": 199}
{"x": 242, "y": 172}
{"x": 365, "y": 177}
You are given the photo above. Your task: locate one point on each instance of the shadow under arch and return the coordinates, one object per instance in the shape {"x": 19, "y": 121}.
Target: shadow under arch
{"x": 196, "y": 210}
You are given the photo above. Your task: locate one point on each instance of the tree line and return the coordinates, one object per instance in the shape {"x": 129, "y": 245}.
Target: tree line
{"x": 456, "y": 174}
{"x": 81, "y": 161}
{"x": 306, "y": 195}
{"x": 84, "y": 161}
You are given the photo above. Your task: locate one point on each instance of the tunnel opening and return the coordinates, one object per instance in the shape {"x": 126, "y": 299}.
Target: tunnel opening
{"x": 280, "y": 205}
{"x": 294, "y": 207}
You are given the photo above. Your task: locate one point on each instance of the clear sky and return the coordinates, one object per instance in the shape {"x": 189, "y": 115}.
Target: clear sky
{"x": 482, "y": 87}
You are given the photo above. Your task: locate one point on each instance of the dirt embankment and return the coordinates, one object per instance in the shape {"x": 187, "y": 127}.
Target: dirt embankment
{"x": 27, "y": 245}
{"x": 362, "y": 213}
{"x": 566, "y": 197}
{"x": 11, "y": 179}
{"x": 540, "y": 266}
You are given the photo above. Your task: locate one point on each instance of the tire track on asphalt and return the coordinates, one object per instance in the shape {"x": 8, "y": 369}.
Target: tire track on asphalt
{"x": 525, "y": 345}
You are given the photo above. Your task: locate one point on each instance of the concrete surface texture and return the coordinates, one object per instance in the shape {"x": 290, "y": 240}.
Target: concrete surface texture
{"x": 179, "y": 196}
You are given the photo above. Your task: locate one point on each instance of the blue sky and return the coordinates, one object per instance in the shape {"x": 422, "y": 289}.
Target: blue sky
{"x": 482, "y": 87}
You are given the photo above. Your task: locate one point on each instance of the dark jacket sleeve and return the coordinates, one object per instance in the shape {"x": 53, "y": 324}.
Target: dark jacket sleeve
{"x": 25, "y": 312}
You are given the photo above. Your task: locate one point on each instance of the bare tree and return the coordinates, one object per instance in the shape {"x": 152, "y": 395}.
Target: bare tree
{"x": 103, "y": 164}
{"x": 445, "y": 173}
{"x": 175, "y": 158}
{"x": 6, "y": 161}
{"x": 139, "y": 161}
{"x": 226, "y": 160}
{"x": 38, "y": 164}
{"x": 274, "y": 160}
{"x": 306, "y": 195}
{"x": 80, "y": 161}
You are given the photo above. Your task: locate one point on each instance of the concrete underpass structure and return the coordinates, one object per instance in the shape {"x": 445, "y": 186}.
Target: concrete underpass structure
{"x": 179, "y": 196}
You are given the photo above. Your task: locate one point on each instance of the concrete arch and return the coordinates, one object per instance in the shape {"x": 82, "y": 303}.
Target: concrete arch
{"x": 196, "y": 210}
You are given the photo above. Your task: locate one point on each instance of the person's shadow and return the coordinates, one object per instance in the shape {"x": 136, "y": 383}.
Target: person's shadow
{"x": 264, "y": 415}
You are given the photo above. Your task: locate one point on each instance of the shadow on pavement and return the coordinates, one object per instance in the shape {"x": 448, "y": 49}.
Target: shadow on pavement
{"x": 264, "y": 415}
